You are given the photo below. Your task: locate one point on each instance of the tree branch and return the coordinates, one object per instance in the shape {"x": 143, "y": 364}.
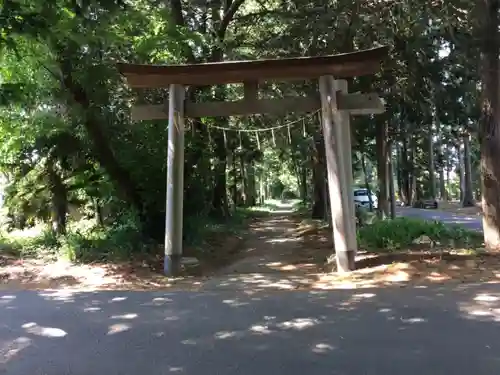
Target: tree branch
{"x": 228, "y": 17}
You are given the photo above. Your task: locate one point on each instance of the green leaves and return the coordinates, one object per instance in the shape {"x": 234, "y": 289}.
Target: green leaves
{"x": 404, "y": 233}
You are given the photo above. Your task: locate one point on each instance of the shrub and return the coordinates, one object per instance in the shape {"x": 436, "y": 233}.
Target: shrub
{"x": 121, "y": 241}
{"x": 403, "y": 232}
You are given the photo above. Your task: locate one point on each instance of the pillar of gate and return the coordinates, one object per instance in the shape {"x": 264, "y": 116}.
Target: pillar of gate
{"x": 175, "y": 180}
{"x": 336, "y": 130}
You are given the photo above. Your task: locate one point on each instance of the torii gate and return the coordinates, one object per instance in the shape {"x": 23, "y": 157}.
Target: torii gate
{"x": 333, "y": 98}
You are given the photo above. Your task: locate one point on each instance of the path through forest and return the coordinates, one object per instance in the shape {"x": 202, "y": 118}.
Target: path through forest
{"x": 271, "y": 257}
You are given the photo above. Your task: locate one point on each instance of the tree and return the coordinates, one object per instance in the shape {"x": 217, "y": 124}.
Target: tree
{"x": 489, "y": 125}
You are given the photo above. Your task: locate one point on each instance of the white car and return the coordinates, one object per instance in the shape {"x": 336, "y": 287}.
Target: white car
{"x": 362, "y": 199}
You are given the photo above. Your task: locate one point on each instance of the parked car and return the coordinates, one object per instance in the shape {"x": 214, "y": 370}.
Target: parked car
{"x": 426, "y": 203}
{"x": 362, "y": 199}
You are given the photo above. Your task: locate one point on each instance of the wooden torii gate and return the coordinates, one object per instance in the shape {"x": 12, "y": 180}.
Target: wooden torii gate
{"x": 333, "y": 98}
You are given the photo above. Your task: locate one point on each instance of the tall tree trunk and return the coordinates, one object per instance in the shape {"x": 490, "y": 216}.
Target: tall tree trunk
{"x": 303, "y": 183}
{"x": 220, "y": 207}
{"x": 489, "y": 125}
{"x": 367, "y": 180}
{"x": 447, "y": 185}
{"x": 392, "y": 193}
{"x": 442, "y": 185}
{"x": 461, "y": 171}
{"x": 382, "y": 167}
{"x": 99, "y": 216}
{"x": 468, "y": 200}
{"x": 250, "y": 185}
{"x": 412, "y": 175}
{"x": 234, "y": 179}
{"x": 59, "y": 198}
{"x": 406, "y": 173}
{"x": 399, "y": 174}
{"x": 243, "y": 179}
{"x": 432, "y": 168}
{"x": 318, "y": 175}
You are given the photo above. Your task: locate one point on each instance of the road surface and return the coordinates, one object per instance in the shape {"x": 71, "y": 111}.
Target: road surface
{"x": 409, "y": 331}
{"x": 470, "y": 222}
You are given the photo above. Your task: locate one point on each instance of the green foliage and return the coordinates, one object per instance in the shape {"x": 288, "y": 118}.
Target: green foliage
{"x": 403, "y": 233}
{"x": 118, "y": 242}
{"x": 66, "y": 137}
{"x": 36, "y": 242}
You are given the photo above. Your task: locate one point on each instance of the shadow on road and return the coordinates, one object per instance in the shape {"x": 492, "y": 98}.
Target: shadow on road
{"x": 433, "y": 330}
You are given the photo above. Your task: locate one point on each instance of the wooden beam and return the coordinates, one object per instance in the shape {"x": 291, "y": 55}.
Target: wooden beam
{"x": 341, "y": 66}
{"x": 355, "y": 104}
{"x": 360, "y": 104}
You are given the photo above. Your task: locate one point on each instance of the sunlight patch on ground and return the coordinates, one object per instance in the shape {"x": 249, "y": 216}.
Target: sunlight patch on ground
{"x": 322, "y": 348}
{"x": 260, "y": 329}
{"x": 298, "y": 323}
{"x": 282, "y": 240}
{"x": 486, "y": 298}
{"x": 222, "y": 335}
{"x": 118, "y": 328}
{"x": 413, "y": 320}
{"x": 129, "y": 316}
{"x": 91, "y": 309}
{"x": 10, "y": 349}
{"x": 35, "y": 329}
{"x": 483, "y": 306}
{"x": 175, "y": 369}
{"x": 117, "y": 299}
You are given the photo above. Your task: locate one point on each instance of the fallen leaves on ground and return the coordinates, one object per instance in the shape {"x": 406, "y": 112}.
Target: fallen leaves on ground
{"x": 145, "y": 274}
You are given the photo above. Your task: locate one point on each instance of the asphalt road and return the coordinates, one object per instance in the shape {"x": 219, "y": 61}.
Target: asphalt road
{"x": 409, "y": 331}
{"x": 470, "y": 222}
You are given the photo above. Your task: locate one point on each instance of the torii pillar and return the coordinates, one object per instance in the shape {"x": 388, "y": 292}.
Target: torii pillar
{"x": 336, "y": 106}
{"x": 337, "y": 136}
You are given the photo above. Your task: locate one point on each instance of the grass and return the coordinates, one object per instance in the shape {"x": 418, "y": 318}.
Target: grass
{"x": 403, "y": 233}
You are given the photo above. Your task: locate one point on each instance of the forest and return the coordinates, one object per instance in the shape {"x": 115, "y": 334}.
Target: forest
{"x": 75, "y": 164}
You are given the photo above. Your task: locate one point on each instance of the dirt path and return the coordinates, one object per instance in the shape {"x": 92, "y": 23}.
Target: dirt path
{"x": 272, "y": 257}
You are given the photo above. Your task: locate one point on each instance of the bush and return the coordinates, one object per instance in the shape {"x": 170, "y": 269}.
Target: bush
{"x": 121, "y": 241}
{"x": 85, "y": 242}
{"x": 402, "y": 232}
{"x": 29, "y": 243}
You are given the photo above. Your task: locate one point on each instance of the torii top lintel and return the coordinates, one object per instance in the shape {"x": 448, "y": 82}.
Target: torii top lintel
{"x": 340, "y": 66}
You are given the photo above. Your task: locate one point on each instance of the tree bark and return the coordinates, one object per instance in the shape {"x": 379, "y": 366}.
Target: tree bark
{"x": 392, "y": 193}
{"x": 59, "y": 198}
{"x": 367, "y": 180}
{"x": 250, "y": 185}
{"x": 432, "y": 168}
{"x": 382, "y": 167}
{"x": 461, "y": 171}
{"x": 399, "y": 174}
{"x": 318, "y": 176}
{"x": 406, "y": 175}
{"x": 489, "y": 125}
{"x": 468, "y": 200}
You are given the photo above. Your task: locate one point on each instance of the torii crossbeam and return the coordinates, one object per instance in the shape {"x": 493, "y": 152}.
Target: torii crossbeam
{"x": 333, "y": 98}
